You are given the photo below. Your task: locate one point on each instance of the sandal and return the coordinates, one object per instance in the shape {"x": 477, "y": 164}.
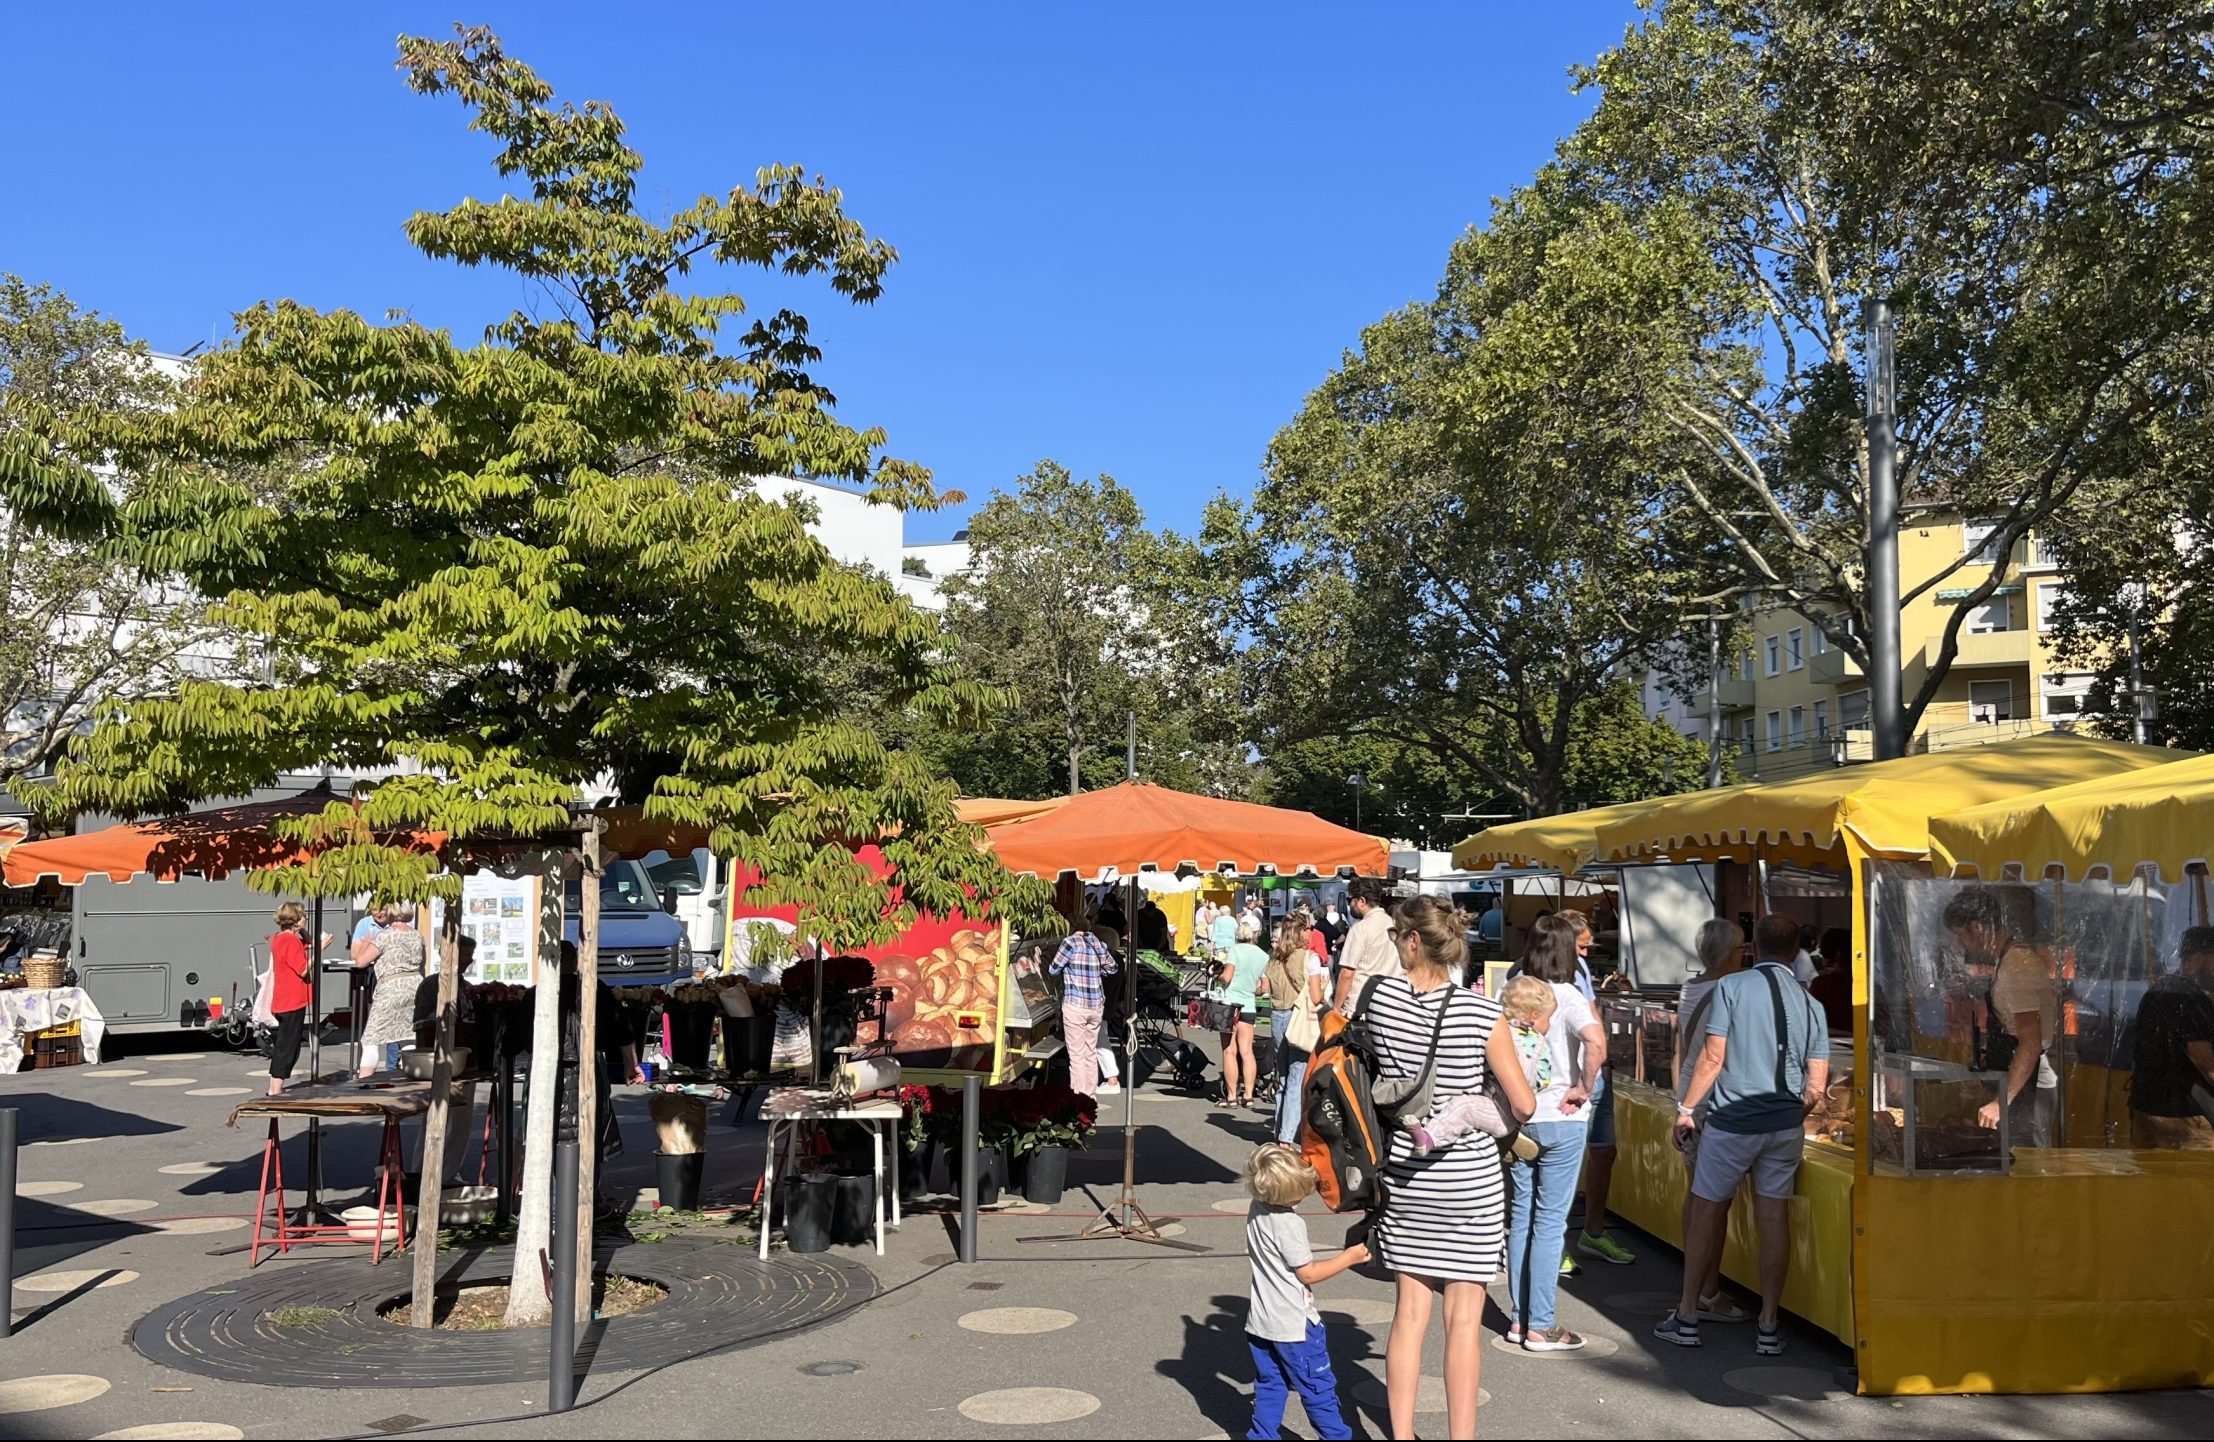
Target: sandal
{"x": 1721, "y": 1307}
{"x": 1555, "y": 1338}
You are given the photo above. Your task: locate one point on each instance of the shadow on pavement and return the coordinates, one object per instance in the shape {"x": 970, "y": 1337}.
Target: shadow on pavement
{"x": 46, "y": 1117}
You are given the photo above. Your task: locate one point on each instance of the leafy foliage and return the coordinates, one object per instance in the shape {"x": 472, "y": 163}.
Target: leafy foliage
{"x": 1468, "y": 535}
{"x": 511, "y": 567}
{"x": 1082, "y": 616}
{"x": 81, "y": 627}
{"x": 2050, "y": 316}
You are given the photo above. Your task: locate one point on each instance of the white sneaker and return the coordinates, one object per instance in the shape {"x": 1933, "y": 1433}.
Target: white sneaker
{"x": 1108, "y": 1089}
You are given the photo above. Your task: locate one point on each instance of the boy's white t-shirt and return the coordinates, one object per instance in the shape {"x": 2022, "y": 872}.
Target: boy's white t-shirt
{"x": 1283, "y": 1306}
{"x": 1557, "y": 1063}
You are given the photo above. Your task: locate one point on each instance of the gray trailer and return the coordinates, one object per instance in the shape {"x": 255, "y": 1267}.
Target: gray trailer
{"x": 183, "y": 955}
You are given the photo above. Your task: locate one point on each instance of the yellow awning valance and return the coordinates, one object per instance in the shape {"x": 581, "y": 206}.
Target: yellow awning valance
{"x": 2163, "y": 816}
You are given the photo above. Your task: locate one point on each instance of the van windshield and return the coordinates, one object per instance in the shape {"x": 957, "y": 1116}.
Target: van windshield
{"x": 624, "y": 886}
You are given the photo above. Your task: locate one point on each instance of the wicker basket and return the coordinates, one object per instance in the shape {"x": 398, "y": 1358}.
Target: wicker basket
{"x": 45, "y": 972}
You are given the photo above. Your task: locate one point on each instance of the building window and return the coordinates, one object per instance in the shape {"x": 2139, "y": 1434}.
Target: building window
{"x": 2053, "y": 602}
{"x": 1795, "y": 648}
{"x": 1979, "y": 542}
{"x": 1745, "y": 735}
{"x": 1775, "y": 730}
{"x": 1852, "y": 710}
{"x": 1991, "y": 701}
{"x": 1775, "y": 655}
{"x": 1996, "y": 615}
{"x": 1821, "y": 720}
{"x": 1817, "y": 642}
{"x": 2064, "y": 694}
{"x": 1745, "y": 672}
{"x": 1798, "y": 725}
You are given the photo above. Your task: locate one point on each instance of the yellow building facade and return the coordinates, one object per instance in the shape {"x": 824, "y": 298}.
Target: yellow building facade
{"x": 1794, "y": 703}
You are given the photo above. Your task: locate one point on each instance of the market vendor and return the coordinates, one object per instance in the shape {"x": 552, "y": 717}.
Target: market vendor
{"x": 1996, "y": 927}
{"x": 2171, "y": 1089}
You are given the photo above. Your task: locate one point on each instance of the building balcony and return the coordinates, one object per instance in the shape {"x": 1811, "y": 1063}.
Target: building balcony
{"x": 1834, "y": 667}
{"x": 1988, "y": 648}
{"x": 1735, "y": 695}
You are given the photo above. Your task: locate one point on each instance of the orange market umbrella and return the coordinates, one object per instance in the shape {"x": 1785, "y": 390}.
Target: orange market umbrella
{"x": 1134, "y": 825}
{"x": 210, "y": 844}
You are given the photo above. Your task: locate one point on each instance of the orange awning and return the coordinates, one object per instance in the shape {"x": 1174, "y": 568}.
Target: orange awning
{"x": 630, "y": 834}
{"x": 210, "y": 844}
{"x": 1136, "y": 825}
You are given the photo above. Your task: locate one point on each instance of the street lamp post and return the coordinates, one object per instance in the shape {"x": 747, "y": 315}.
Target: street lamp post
{"x": 1357, "y": 781}
{"x": 1883, "y": 531}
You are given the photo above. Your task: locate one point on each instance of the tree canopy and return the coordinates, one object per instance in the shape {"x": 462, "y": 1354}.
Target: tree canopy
{"x": 510, "y": 566}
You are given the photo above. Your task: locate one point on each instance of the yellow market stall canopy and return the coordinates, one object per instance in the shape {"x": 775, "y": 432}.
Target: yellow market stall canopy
{"x": 1882, "y": 809}
{"x": 2163, "y": 816}
{"x": 1567, "y": 842}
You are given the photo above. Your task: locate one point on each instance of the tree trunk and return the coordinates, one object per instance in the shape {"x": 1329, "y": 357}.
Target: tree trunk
{"x": 527, "y": 1302}
{"x": 588, "y": 1091}
{"x": 428, "y": 1212}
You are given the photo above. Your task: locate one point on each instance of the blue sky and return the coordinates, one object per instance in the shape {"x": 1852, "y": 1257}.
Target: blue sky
{"x": 1132, "y": 238}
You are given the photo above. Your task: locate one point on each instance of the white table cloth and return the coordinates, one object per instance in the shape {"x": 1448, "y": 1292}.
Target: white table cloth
{"x": 24, "y": 1010}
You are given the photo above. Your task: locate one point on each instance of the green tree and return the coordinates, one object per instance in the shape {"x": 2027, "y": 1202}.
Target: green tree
{"x": 80, "y": 627}
{"x": 1084, "y": 616}
{"x": 1465, "y": 536}
{"x": 512, "y": 566}
{"x": 2047, "y": 293}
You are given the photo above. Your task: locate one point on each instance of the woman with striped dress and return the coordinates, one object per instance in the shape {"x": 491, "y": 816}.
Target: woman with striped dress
{"x": 1444, "y": 1223}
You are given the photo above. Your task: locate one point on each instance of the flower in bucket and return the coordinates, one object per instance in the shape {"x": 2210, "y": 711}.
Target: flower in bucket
{"x": 1047, "y": 1116}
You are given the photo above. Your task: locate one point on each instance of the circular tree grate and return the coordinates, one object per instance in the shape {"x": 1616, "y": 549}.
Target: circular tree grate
{"x": 720, "y": 1296}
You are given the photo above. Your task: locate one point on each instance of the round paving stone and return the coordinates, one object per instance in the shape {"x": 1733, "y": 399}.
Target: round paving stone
{"x": 189, "y": 1169}
{"x": 1429, "y": 1397}
{"x": 1238, "y": 1206}
{"x": 47, "y": 1189}
{"x": 167, "y": 1081}
{"x": 1787, "y": 1384}
{"x": 178, "y": 1431}
{"x": 1029, "y": 1406}
{"x": 58, "y": 1389}
{"x": 63, "y": 1142}
{"x": 177, "y": 1056}
{"x": 114, "y": 1071}
{"x": 1018, "y": 1321}
{"x": 46, "y": 1282}
{"x": 218, "y": 1091}
{"x": 112, "y": 1207}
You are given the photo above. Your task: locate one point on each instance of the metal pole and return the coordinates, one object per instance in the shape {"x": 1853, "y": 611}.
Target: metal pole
{"x": 7, "y": 1221}
{"x": 1714, "y": 701}
{"x": 1133, "y": 763}
{"x": 561, "y": 1361}
{"x": 972, "y": 1101}
{"x": 1884, "y": 704}
{"x": 2136, "y": 683}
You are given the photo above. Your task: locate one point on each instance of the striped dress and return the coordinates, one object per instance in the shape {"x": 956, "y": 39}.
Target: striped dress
{"x": 1445, "y": 1215}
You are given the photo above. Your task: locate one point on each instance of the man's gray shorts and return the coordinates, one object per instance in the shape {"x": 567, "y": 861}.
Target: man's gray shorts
{"x": 1771, "y": 1158}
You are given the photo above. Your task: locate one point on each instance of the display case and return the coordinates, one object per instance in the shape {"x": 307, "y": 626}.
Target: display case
{"x": 1926, "y": 1116}
{"x": 1831, "y": 1122}
{"x": 1641, "y": 1036}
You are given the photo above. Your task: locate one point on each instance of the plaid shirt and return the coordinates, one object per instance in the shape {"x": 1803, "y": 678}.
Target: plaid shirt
{"x": 1081, "y": 960}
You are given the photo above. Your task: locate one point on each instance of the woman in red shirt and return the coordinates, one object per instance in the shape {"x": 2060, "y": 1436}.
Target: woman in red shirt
{"x": 288, "y": 962}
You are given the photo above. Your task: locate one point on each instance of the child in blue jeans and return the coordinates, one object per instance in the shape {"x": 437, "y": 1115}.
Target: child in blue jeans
{"x": 1282, "y": 1326}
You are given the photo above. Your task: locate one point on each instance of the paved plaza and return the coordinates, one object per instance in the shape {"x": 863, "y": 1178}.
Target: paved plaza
{"x": 134, "y": 1194}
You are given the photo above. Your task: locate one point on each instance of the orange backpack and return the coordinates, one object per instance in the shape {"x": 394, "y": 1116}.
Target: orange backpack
{"x": 1339, "y": 1133}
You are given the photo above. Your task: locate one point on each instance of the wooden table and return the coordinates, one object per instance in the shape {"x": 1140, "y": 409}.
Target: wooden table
{"x": 392, "y": 1104}
{"x": 785, "y": 1111}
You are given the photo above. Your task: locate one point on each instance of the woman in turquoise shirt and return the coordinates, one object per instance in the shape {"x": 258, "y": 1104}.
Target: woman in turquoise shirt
{"x": 1241, "y": 979}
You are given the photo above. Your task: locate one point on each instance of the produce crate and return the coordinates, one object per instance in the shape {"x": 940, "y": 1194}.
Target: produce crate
{"x": 56, "y": 1046}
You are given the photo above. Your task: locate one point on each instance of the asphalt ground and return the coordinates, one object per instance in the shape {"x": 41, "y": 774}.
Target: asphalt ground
{"x": 1067, "y": 1338}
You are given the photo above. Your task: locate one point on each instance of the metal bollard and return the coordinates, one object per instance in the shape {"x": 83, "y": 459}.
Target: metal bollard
{"x": 7, "y": 1221}
{"x": 971, "y": 1104}
{"x": 561, "y": 1364}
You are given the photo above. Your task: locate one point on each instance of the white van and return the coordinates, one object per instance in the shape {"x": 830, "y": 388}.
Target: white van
{"x": 695, "y": 888}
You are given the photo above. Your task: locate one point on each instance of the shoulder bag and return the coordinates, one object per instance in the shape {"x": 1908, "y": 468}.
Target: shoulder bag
{"x": 1413, "y": 1097}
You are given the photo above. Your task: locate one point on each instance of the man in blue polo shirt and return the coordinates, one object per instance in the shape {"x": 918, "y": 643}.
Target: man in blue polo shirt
{"x": 1766, "y": 1059}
